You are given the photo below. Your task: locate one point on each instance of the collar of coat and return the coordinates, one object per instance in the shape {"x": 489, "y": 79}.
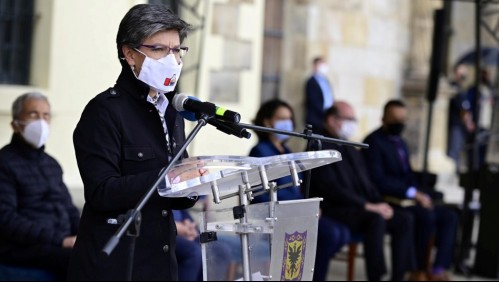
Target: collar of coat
{"x": 25, "y": 149}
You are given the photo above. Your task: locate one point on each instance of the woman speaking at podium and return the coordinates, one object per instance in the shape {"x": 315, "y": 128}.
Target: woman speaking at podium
{"x": 125, "y": 137}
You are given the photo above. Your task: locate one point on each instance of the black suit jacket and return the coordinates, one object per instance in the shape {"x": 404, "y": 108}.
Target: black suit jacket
{"x": 385, "y": 166}
{"x": 314, "y": 104}
{"x": 121, "y": 148}
{"x": 344, "y": 184}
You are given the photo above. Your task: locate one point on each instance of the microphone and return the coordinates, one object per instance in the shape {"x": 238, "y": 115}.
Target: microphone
{"x": 182, "y": 102}
{"x": 226, "y": 127}
{"x": 230, "y": 128}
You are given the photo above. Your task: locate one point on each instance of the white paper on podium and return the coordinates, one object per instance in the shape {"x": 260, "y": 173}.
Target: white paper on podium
{"x": 226, "y": 172}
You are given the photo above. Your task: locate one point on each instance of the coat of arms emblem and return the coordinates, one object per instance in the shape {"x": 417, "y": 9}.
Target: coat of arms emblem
{"x": 294, "y": 256}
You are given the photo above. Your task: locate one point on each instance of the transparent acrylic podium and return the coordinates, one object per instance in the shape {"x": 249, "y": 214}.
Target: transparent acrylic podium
{"x": 274, "y": 241}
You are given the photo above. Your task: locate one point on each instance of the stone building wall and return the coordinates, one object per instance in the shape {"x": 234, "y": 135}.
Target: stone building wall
{"x": 229, "y": 71}
{"x": 366, "y": 44}
{"x": 377, "y": 51}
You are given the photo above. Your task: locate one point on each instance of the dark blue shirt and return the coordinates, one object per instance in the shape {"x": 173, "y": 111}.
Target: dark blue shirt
{"x": 267, "y": 149}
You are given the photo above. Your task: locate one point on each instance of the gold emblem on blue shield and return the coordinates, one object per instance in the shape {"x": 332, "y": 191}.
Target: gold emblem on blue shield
{"x": 294, "y": 256}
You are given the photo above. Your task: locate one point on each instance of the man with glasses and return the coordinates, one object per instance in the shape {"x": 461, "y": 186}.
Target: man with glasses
{"x": 38, "y": 221}
{"x": 125, "y": 137}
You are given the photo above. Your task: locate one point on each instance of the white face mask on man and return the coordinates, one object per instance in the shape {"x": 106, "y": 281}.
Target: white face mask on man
{"x": 161, "y": 75}
{"x": 36, "y": 132}
{"x": 348, "y": 129}
{"x": 323, "y": 69}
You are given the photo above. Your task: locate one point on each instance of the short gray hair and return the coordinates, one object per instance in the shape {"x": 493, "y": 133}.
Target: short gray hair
{"x": 17, "y": 106}
{"x": 144, "y": 20}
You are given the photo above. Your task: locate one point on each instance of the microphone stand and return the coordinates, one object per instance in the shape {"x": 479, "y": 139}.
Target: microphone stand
{"x": 134, "y": 215}
{"x": 308, "y": 136}
{"x": 314, "y": 143}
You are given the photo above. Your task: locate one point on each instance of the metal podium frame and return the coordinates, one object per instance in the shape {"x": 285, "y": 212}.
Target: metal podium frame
{"x": 290, "y": 227}
{"x": 131, "y": 221}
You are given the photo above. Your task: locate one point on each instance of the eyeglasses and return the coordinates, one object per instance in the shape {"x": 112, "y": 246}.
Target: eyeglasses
{"x": 35, "y": 116}
{"x": 347, "y": 118}
{"x": 163, "y": 51}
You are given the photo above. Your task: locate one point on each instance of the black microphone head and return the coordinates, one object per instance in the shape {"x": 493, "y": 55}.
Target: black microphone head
{"x": 178, "y": 102}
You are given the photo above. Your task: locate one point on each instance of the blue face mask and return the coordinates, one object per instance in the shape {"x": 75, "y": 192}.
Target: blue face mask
{"x": 286, "y": 125}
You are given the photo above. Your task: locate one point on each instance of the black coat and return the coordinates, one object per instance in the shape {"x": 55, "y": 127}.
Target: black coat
{"x": 121, "y": 148}
{"x": 345, "y": 184}
{"x": 36, "y": 209}
{"x": 314, "y": 101}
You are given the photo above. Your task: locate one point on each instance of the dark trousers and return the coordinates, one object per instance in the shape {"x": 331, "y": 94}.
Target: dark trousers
{"x": 45, "y": 257}
{"x": 373, "y": 228}
{"x": 331, "y": 237}
{"x": 189, "y": 260}
{"x": 441, "y": 223}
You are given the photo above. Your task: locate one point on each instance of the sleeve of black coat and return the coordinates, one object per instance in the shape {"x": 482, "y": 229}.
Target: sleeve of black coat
{"x": 13, "y": 225}
{"x": 97, "y": 142}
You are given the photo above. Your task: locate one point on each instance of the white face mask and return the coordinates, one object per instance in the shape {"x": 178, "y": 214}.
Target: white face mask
{"x": 323, "y": 69}
{"x": 161, "y": 75}
{"x": 36, "y": 133}
{"x": 348, "y": 129}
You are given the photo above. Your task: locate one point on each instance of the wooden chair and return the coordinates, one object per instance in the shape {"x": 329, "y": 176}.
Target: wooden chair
{"x": 352, "y": 254}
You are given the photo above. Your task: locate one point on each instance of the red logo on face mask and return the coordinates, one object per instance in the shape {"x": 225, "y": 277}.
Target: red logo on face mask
{"x": 171, "y": 81}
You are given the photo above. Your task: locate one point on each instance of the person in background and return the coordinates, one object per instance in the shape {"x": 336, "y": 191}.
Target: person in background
{"x": 318, "y": 95}
{"x": 332, "y": 236}
{"x": 478, "y": 110}
{"x": 126, "y": 136}
{"x": 457, "y": 132}
{"x": 352, "y": 199}
{"x": 188, "y": 250}
{"x": 389, "y": 168}
{"x": 38, "y": 220}
{"x": 279, "y": 115}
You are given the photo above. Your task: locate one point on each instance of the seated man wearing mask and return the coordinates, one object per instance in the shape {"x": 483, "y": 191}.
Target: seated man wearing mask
{"x": 352, "y": 199}
{"x": 38, "y": 221}
{"x": 390, "y": 170}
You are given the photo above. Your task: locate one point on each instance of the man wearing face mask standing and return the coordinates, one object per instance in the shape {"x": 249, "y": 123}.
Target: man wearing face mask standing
{"x": 125, "y": 137}
{"x": 352, "y": 199}
{"x": 391, "y": 172}
{"x": 38, "y": 221}
{"x": 318, "y": 95}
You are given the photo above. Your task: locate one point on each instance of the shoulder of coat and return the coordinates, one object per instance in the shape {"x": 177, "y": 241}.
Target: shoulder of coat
{"x": 112, "y": 93}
